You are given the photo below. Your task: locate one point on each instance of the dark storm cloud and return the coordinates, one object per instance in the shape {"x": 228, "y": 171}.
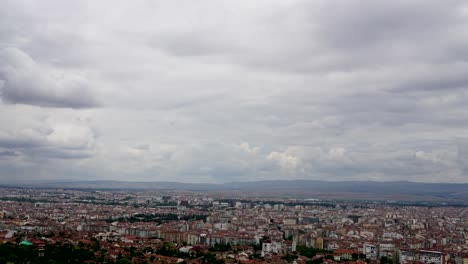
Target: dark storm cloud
{"x": 8, "y": 153}
{"x": 15, "y": 143}
{"x": 59, "y": 153}
{"x": 15, "y": 95}
{"x": 434, "y": 82}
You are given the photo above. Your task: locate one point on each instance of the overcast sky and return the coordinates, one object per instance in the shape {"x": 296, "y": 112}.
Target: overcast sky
{"x": 220, "y": 91}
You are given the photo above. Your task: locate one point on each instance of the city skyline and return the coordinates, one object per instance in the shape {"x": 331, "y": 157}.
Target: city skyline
{"x": 218, "y": 91}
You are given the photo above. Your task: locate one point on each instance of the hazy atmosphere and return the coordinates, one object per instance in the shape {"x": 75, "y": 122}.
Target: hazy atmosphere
{"x": 222, "y": 91}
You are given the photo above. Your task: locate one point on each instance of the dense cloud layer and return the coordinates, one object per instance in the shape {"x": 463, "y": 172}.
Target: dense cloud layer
{"x": 26, "y": 82}
{"x": 217, "y": 91}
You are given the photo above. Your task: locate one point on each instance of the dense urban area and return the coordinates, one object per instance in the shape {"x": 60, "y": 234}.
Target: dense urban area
{"x": 128, "y": 226}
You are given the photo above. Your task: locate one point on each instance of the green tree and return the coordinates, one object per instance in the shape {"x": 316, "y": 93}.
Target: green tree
{"x": 386, "y": 260}
{"x": 123, "y": 261}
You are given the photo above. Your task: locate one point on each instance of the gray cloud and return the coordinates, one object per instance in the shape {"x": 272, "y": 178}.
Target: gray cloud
{"x": 26, "y": 82}
{"x": 220, "y": 91}
{"x": 190, "y": 44}
{"x": 367, "y": 24}
{"x": 36, "y": 139}
{"x": 7, "y": 153}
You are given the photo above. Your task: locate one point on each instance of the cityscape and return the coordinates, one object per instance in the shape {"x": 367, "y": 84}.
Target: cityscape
{"x": 246, "y": 131}
{"x": 170, "y": 226}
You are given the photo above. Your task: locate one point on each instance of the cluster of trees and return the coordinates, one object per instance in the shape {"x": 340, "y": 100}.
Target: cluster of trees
{"x": 220, "y": 248}
{"x": 60, "y": 253}
{"x": 289, "y": 203}
{"x": 68, "y": 253}
{"x": 103, "y": 202}
{"x": 386, "y": 260}
{"x": 327, "y": 254}
{"x": 158, "y": 218}
{"x": 311, "y": 252}
{"x": 170, "y": 250}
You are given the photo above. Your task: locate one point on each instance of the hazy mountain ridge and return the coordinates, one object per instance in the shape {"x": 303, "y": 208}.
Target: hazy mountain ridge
{"x": 398, "y": 190}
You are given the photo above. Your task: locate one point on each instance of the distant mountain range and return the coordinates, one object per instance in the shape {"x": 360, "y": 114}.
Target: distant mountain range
{"x": 355, "y": 190}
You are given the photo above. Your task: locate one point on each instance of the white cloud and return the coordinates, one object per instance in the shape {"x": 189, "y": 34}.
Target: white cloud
{"x": 248, "y": 149}
{"x": 337, "y": 153}
{"x": 285, "y": 160}
{"x": 26, "y": 82}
